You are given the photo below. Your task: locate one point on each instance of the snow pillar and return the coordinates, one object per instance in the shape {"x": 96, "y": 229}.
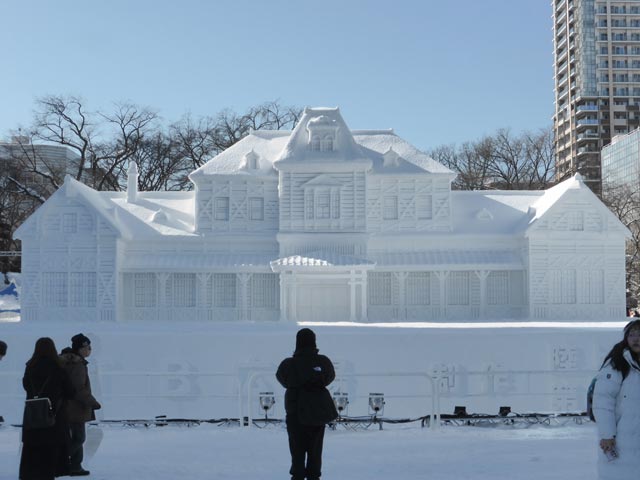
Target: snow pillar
{"x": 352, "y": 295}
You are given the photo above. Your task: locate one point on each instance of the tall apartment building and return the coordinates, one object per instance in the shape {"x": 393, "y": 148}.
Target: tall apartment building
{"x": 597, "y": 81}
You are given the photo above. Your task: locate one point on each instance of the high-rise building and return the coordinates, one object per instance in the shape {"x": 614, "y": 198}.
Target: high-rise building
{"x": 597, "y": 81}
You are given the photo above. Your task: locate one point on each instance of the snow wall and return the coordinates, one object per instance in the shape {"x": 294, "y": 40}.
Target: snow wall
{"x": 209, "y": 371}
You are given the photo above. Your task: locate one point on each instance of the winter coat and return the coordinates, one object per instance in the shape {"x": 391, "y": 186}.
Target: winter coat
{"x": 616, "y": 407}
{"x": 80, "y": 408}
{"x": 43, "y": 449}
{"x": 306, "y": 376}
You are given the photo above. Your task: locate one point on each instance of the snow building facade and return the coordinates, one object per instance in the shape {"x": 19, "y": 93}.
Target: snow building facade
{"x": 322, "y": 223}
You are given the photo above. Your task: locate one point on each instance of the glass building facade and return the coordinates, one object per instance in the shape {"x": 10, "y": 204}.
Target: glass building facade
{"x": 621, "y": 162}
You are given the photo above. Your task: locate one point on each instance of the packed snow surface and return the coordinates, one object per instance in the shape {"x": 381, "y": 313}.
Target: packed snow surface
{"x": 405, "y": 452}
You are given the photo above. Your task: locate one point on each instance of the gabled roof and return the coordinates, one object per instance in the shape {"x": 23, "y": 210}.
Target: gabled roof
{"x": 153, "y": 214}
{"x": 575, "y": 188}
{"x": 359, "y": 146}
{"x": 377, "y": 142}
{"x": 496, "y": 212}
{"x": 266, "y": 144}
{"x": 345, "y": 148}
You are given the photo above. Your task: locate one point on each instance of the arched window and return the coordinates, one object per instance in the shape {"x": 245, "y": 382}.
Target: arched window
{"x": 315, "y": 144}
{"x": 327, "y": 144}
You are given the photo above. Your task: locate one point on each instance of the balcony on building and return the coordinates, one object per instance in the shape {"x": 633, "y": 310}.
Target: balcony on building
{"x": 583, "y": 109}
{"x": 586, "y": 150}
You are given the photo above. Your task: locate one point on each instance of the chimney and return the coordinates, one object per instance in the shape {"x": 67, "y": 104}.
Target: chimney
{"x": 132, "y": 183}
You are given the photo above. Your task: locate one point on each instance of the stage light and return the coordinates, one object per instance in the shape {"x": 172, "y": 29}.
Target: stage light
{"x": 460, "y": 411}
{"x": 341, "y": 400}
{"x": 267, "y": 400}
{"x": 376, "y": 403}
{"x": 504, "y": 411}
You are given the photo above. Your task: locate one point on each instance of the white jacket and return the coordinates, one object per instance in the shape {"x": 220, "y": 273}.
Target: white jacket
{"x": 616, "y": 407}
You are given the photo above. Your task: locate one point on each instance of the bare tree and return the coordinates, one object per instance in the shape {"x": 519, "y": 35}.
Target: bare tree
{"x": 103, "y": 142}
{"x": 501, "y": 161}
{"x": 624, "y": 202}
{"x": 198, "y": 140}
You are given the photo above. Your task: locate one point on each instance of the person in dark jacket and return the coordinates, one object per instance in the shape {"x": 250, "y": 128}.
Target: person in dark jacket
{"x": 3, "y": 349}
{"x": 44, "y": 449}
{"x": 308, "y": 404}
{"x": 80, "y": 409}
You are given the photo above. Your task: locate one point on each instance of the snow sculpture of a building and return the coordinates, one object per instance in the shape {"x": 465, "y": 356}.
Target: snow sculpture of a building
{"x": 323, "y": 223}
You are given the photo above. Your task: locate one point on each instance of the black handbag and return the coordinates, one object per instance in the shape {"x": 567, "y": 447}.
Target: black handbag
{"x": 316, "y": 407}
{"x": 38, "y": 412}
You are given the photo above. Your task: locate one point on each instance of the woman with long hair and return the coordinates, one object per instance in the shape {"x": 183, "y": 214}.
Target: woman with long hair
{"x": 45, "y": 450}
{"x": 616, "y": 408}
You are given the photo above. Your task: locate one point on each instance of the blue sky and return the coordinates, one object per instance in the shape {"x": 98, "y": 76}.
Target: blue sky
{"x": 438, "y": 72}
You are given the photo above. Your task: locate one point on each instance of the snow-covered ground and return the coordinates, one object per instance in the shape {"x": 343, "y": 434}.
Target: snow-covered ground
{"x": 398, "y": 452}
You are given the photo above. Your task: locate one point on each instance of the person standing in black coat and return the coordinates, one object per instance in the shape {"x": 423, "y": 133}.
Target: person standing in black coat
{"x": 44, "y": 450}
{"x": 308, "y": 404}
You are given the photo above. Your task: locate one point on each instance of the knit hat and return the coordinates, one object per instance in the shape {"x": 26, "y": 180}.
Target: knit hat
{"x": 78, "y": 341}
{"x": 305, "y": 338}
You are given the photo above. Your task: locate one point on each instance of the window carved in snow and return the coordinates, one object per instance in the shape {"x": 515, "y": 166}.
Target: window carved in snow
{"x": 144, "y": 290}
{"x": 70, "y": 223}
{"x": 576, "y": 221}
{"x": 322, "y": 203}
{"x": 54, "y": 289}
{"x": 562, "y": 286}
{"x": 327, "y": 144}
{"x": 424, "y": 207}
{"x": 379, "y": 286}
{"x": 390, "y": 207}
{"x": 458, "y": 288}
{"x": 256, "y": 208}
{"x": 82, "y": 289}
{"x": 498, "y": 288}
{"x": 221, "y": 208}
{"x": 323, "y": 207}
{"x": 69, "y": 289}
{"x": 265, "y": 290}
{"x": 592, "y": 286}
{"x": 181, "y": 290}
{"x": 418, "y": 288}
{"x": 323, "y": 132}
{"x": 224, "y": 290}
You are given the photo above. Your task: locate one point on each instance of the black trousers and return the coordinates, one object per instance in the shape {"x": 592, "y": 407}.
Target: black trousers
{"x": 305, "y": 445}
{"x": 76, "y": 452}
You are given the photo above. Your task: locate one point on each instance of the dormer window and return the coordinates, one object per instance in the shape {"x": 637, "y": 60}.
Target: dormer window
{"x": 327, "y": 144}
{"x": 250, "y": 161}
{"x": 391, "y": 158}
{"x": 323, "y": 132}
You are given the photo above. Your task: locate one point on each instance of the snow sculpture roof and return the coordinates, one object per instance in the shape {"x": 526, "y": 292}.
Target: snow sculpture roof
{"x": 265, "y": 144}
{"x": 154, "y": 214}
{"x": 282, "y": 147}
{"x": 298, "y": 149}
{"x": 171, "y": 214}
